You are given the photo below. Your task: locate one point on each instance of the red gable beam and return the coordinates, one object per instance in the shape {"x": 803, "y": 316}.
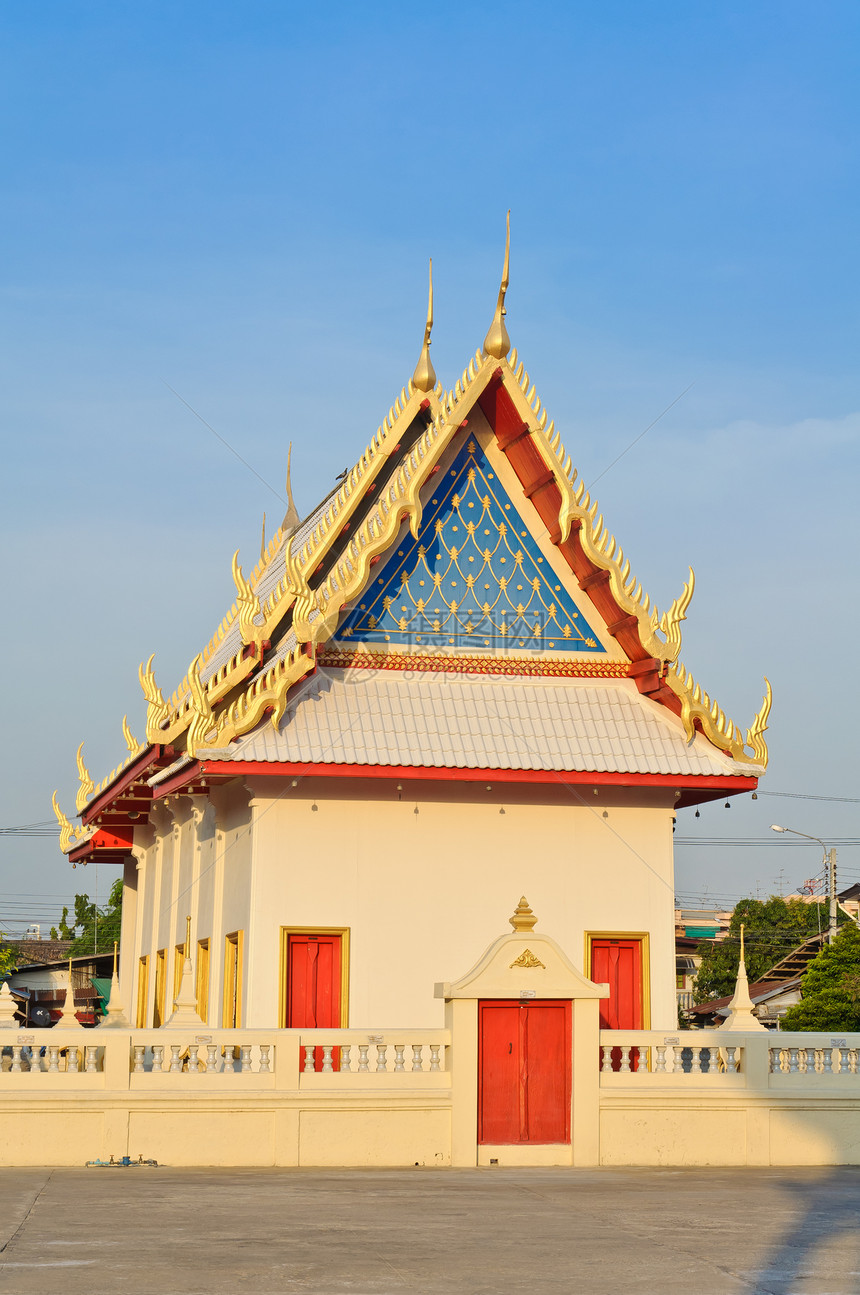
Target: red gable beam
{"x": 514, "y": 438}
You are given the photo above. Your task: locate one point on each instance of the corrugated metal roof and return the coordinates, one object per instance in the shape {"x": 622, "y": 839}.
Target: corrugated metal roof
{"x": 383, "y": 717}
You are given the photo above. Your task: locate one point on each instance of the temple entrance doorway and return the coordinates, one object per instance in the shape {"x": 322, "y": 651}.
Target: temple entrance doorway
{"x": 524, "y": 1069}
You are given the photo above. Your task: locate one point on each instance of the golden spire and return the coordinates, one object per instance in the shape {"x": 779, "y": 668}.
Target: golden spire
{"x": 263, "y": 541}
{"x": 187, "y": 935}
{"x": 497, "y": 342}
{"x": 115, "y": 946}
{"x": 292, "y": 519}
{"x": 523, "y": 918}
{"x": 424, "y": 377}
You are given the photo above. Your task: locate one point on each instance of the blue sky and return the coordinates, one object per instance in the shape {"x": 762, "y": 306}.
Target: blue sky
{"x": 239, "y": 201}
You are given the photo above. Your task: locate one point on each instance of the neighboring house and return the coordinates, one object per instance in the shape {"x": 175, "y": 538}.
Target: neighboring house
{"x": 32, "y": 952}
{"x": 441, "y": 689}
{"x": 692, "y": 926}
{"x": 772, "y": 995}
{"x": 44, "y": 984}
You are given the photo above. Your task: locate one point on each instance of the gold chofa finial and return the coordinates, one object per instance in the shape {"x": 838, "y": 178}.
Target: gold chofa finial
{"x": 497, "y": 342}
{"x": 292, "y": 519}
{"x": 523, "y": 918}
{"x": 424, "y": 377}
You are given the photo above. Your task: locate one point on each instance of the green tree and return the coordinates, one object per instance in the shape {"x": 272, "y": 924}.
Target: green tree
{"x": 98, "y": 927}
{"x": 772, "y": 928}
{"x": 8, "y": 958}
{"x": 830, "y": 988}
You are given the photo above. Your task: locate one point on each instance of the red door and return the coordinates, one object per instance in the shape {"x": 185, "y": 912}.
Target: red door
{"x": 313, "y": 986}
{"x": 618, "y": 963}
{"x": 524, "y": 1072}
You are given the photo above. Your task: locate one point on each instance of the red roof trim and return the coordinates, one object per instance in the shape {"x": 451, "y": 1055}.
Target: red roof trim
{"x": 147, "y": 758}
{"x": 715, "y": 784}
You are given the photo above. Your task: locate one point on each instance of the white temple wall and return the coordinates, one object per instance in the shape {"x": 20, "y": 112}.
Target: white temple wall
{"x": 420, "y": 892}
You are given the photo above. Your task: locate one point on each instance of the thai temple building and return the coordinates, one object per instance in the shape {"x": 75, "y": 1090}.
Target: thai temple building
{"x": 442, "y": 689}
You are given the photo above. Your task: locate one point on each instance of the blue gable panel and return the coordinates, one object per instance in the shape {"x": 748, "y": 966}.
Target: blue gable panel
{"x": 474, "y": 577}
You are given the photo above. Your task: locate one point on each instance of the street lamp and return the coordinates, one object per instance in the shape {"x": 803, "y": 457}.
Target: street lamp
{"x": 830, "y": 865}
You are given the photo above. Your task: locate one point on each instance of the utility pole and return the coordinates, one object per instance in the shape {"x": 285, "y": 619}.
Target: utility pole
{"x": 831, "y": 886}
{"x": 829, "y": 861}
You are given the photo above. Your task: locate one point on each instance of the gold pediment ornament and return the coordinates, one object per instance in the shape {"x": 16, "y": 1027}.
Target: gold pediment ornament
{"x": 527, "y": 959}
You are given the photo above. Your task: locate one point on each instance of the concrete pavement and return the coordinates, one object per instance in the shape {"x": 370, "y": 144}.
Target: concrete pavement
{"x": 436, "y": 1232}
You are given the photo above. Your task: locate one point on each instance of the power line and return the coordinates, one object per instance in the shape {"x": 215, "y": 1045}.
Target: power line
{"x": 745, "y": 842}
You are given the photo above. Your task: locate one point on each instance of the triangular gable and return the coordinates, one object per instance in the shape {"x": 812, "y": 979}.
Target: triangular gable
{"x": 473, "y": 577}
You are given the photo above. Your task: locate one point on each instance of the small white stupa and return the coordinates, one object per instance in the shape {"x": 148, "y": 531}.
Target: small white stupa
{"x": 185, "y": 1003}
{"x": 114, "y": 1017}
{"x": 68, "y": 1020}
{"x": 740, "y": 1015}
{"x": 8, "y": 1008}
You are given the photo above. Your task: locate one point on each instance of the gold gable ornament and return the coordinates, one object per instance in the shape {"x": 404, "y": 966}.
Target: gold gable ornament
{"x": 523, "y": 918}
{"x": 527, "y": 959}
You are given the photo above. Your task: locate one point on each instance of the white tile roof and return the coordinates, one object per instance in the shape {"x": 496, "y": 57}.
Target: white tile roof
{"x": 383, "y": 717}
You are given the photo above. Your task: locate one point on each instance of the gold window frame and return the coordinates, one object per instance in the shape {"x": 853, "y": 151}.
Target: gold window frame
{"x": 234, "y": 960}
{"x": 644, "y": 938}
{"x": 201, "y": 979}
{"x": 160, "y": 993}
{"x": 344, "y": 933}
{"x": 142, "y": 1005}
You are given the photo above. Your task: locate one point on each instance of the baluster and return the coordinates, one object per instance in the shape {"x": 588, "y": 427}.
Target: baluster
{"x": 398, "y": 1056}
{"x": 245, "y": 1059}
{"x": 53, "y": 1057}
{"x": 792, "y": 1061}
{"x": 606, "y": 1053}
{"x": 265, "y": 1068}
{"x": 660, "y": 1068}
{"x": 211, "y": 1058}
{"x": 417, "y": 1056}
{"x": 731, "y": 1059}
{"x": 175, "y": 1059}
{"x": 827, "y": 1055}
{"x": 193, "y": 1049}
{"x": 139, "y": 1051}
{"x": 381, "y": 1049}
{"x": 435, "y": 1059}
{"x": 810, "y": 1060}
{"x": 16, "y": 1057}
{"x": 837, "y": 1061}
{"x": 643, "y": 1059}
{"x": 852, "y": 1060}
{"x": 35, "y": 1061}
{"x": 346, "y": 1057}
{"x": 701, "y": 1059}
{"x": 309, "y": 1058}
{"x": 677, "y": 1059}
{"x": 158, "y": 1056}
{"x": 363, "y": 1049}
{"x": 91, "y": 1063}
{"x": 73, "y": 1061}
{"x": 326, "y": 1065}
{"x": 624, "y": 1068}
